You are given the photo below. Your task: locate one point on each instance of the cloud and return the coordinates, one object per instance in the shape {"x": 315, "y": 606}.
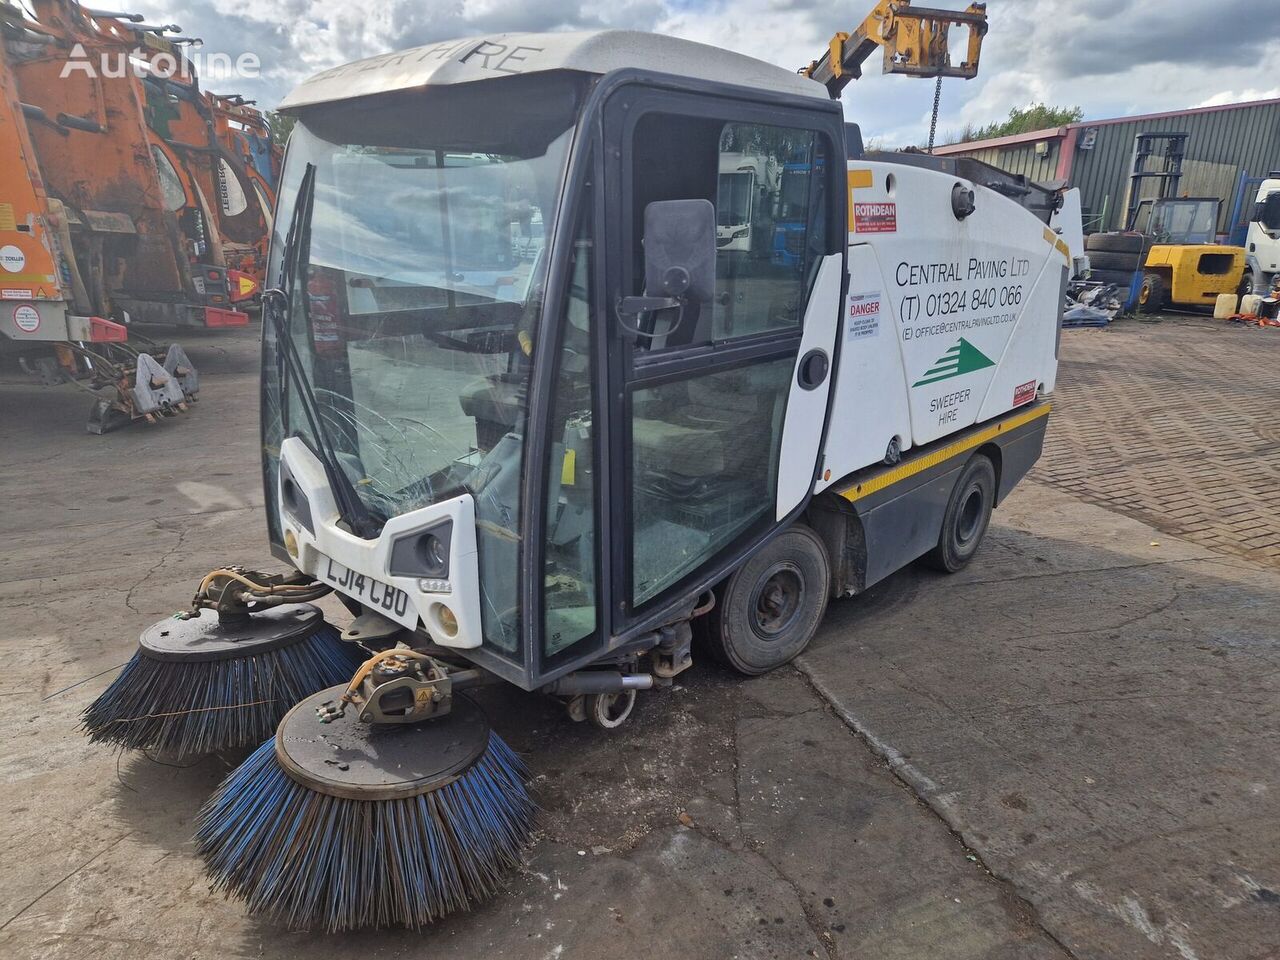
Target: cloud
{"x": 1236, "y": 96}
{"x": 1110, "y": 57}
{"x": 1106, "y": 38}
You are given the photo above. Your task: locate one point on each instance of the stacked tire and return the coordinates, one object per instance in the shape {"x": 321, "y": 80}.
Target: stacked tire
{"x": 1115, "y": 257}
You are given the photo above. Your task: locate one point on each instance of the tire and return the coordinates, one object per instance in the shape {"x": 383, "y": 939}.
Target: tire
{"x": 1246, "y": 284}
{"x": 1105, "y": 260}
{"x": 967, "y": 518}
{"x": 1121, "y": 278}
{"x": 1115, "y": 243}
{"x": 768, "y": 609}
{"x": 1154, "y": 293}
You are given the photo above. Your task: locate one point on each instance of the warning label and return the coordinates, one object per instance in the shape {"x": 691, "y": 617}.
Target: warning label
{"x": 864, "y": 315}
{"x": 15, "y": 293}
{"x": 875, "y": 218}
{"x": 26, "y": 318}
{"x": 1024, "y": 393}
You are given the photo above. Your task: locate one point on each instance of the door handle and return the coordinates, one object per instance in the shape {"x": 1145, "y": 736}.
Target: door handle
{"x": 813, "y": 369}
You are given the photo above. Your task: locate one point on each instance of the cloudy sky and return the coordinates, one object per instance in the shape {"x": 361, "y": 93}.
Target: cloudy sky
{"x": 1110, "y": 57}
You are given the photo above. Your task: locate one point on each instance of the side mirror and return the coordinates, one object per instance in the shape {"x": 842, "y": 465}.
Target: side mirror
{"x": 679, "y": 260}
{"x": 680, "y": 249}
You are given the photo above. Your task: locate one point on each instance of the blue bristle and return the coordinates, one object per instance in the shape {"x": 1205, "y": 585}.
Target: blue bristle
{"x": 313, "y": 861}
{"x": 189, "y": 708}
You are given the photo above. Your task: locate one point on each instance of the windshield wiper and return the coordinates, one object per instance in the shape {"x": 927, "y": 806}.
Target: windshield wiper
{"x": 277, "y": 305}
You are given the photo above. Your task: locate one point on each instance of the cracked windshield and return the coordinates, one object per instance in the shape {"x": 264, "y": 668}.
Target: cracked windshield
{"x": 424, "y": 276}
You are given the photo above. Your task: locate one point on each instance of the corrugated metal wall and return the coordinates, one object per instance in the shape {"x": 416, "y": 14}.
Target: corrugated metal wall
{"x": 1245, "y": 138}
{"x": 1222, "y": 145}
{"x": 1022, "y": 158}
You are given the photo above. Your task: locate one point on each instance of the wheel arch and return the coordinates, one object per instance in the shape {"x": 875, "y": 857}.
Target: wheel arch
{"x": 995, "y": 454}
{"x": 837, "y": 524}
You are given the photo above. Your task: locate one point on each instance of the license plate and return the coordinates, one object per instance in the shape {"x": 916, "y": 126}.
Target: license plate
{"x": 391, "y": 602}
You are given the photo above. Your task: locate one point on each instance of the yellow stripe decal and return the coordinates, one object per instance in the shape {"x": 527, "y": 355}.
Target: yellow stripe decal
{"x": 890, "y": 477}
{"x": 1058, "y": 243}
{"x": 858, "y": 179}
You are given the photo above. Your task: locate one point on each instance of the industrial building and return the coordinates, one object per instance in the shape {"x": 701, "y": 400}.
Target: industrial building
{"x": 1227, "y": 147}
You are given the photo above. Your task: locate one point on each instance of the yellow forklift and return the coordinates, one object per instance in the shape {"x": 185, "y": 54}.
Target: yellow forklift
{"x": 1168, "y": 254}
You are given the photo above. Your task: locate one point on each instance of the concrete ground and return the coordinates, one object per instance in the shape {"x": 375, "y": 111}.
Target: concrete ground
{"x": 1067, "y": 750}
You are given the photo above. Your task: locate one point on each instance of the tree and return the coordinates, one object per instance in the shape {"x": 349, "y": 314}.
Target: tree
{"x": 281, "y": 126}
{"x": 1034, "y": 116}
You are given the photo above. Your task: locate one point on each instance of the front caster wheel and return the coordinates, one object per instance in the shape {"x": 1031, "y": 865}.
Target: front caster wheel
{"x": 770, "y": 607}
{"x": 610, "y": 710}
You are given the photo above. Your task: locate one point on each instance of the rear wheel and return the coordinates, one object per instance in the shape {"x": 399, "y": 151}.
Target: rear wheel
{"x": 1153, "y": 294}
{"x": 770, "y": 607}
{"x": 1246, "y": 284}
{"x": 967, "y": 518}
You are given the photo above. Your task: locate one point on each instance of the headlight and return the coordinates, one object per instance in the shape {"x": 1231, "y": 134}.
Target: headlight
{"x": 424, "y": 554}
{"x": 432, "y": 554}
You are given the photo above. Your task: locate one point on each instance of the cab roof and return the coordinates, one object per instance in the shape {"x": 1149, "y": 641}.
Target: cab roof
{"x": 509, "y": 54}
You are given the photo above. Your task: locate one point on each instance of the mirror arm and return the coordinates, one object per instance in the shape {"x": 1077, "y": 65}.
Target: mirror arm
{"x": 637, "y": 306}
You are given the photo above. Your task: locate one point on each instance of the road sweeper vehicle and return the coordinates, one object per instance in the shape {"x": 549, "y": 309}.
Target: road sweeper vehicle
{"x": 520, "y": 415}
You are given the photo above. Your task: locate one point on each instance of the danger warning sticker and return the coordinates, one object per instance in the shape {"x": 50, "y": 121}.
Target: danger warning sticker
{"x": 875, "y": 218}
{"x": 26, "y": 318}
{"x": 864, "y": 315}
{"x": 1024, "y": 393}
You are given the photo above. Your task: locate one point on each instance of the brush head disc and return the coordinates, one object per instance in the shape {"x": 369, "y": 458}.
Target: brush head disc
{"x": 200, "y": 685}
{"x": 359, "y": 761}
{"x": 206, "y": 637}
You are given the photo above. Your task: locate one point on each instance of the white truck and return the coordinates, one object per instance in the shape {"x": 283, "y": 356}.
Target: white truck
{"x": 1262, "y": 245}
{"x": 745, "y": 198}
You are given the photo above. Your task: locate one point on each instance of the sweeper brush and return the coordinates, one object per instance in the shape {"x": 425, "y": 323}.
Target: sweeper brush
{"x": 215, "y": 680}
{"x": 355, "y": 825}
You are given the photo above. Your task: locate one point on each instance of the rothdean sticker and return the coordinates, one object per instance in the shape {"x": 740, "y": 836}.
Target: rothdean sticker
{"x": 1024, "y": 393}
{"x": 26, "y": 318}
{"x": 875, "y": 218}
{"x": 864, "y": 315}
{"x": 962, "y": 358}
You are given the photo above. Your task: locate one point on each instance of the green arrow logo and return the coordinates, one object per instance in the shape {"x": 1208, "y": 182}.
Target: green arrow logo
{"x": 962, "y": 358}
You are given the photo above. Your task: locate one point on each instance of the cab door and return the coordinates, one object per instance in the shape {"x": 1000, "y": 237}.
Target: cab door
{"x": 716, "y": 407}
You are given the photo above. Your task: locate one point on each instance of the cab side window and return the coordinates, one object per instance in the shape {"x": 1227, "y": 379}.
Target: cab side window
{"x": 762, "y": 180}
{"x": 763, "y": 197}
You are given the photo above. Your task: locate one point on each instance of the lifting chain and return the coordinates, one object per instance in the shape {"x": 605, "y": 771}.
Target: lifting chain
{"x": 933, "y": 121}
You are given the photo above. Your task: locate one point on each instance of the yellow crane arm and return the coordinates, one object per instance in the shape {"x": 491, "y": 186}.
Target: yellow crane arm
{"x": 914, "y": 40}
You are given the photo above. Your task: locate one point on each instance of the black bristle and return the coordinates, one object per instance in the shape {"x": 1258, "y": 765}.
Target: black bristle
{"x": 314, "y": 861}
{"x": 189, "y": 708}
